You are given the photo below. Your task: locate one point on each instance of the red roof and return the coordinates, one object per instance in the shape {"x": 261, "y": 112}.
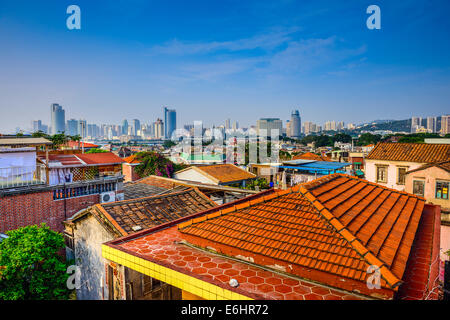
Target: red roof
{"x": 327, "y": 231}
{"x": 103, "y": 158}
{"x": 337, "y": 225}
{"x": 79, "y": 145}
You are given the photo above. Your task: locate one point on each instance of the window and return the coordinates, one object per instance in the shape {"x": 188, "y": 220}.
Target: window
{"x": 382, "y": 174}
{"x": 401, "y": 175}
{"x": 419, "y": 188}
{"x": 149, "y": 284}
{"x": 442, "y": 190}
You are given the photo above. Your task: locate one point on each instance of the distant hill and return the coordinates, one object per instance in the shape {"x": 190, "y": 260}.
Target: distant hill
{"x": 393, "y": 125}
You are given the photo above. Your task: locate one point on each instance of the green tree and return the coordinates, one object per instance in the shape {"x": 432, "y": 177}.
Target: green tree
{"x": 39, "y": 134}
{"x": 368, "y": 138}
{"x": 168, "y": 144}
{"x": 153, "y": 163}
{"x": 96, "y": 150}
{"x": 59, "y": 139}
{"x": 31, "y": 268}
{"x": 260, "y": 182}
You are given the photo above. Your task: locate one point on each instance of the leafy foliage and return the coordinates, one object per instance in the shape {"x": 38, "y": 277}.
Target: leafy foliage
{"x": 260, "y": 182}
{"x": 153, "y": 163}
{"x": 96, "y": 150}
{"x": 168, "y": 144}
{"x": 368, "y": 138}
{"x": 31, "y": 267}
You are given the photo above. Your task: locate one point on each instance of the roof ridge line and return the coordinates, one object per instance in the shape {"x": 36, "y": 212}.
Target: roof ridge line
{"x": 234, "y": 208}
{"x": 365, "y": 253}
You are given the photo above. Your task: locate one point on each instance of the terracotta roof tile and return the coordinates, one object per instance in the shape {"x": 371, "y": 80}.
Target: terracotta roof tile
{"x": 224, "y": 173}
{"x": 411, "y": 152}
{"x": 151, "y": 211}
{"x": 310, "y": 156}
{"x": 100, "y": 158}
{"x": 326, "y": 225}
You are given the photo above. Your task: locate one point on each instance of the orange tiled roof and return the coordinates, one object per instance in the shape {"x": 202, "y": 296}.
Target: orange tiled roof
{"x": 105, "y": 158}
{"x": 337, "y": 225}
{"x": 224, "y": 173}
{"x": 154, "y": 210}
{"x": 310, "y": 156}
{"x": 444, "y": 165}
{"x": 410, "y": 152}
{"x": 76, "y": 144}
{"x": 131, "y": 159}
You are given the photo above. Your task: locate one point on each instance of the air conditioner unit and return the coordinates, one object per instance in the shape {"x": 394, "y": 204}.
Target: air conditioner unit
{"x": 107, "y": 197}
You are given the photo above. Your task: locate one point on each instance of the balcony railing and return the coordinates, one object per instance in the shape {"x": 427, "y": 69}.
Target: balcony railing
{"x": 22, "y": 176}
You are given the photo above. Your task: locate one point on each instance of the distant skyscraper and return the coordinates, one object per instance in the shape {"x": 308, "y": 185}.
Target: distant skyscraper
{"x": 445, "y": 124}
{"x": 330, "y": 126}
{"x": 136, "y": 126}
{"x": 431, "y": 124}
{"x": 235, "y": 125}
{"x": 37, "y": 125}
{"x": 125, "y": 127}
{"x": 170, "y": 122}
{"x": 158, "y": 128}
{"x": 72, "y": 127}
{"x": 415, "y": 124}
{"x": 296, "y": 124}
{"x": 82, "y": 128}
{"x": 58, "y": 121}
{"x": 228, "y": 124}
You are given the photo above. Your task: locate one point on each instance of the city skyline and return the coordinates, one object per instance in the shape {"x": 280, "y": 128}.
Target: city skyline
{"x": 127, "y": 61}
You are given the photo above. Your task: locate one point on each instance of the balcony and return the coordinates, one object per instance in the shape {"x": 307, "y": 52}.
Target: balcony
{"x": 22, "y": 176}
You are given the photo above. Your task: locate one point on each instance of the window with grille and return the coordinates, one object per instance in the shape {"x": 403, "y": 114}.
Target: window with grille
{"x": 442, "y": 190}
{"x": 419, "y": 187}
{"x": 401, "y": 175}
{"x": 382, "y": 174}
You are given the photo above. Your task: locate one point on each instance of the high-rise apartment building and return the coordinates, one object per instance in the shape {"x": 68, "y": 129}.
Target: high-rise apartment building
{"x": 445, "y": 124}
{"x": 72, "y": 127}
{"x": 136, "y": 126}
{"x": 170, "y": 121}
{"x": 330, "y": 126}
{"x": 125, "y": 127}
{"x": 416, "y": 123}
{"x": 296, "y": 124}
{"x": 36, "y": 125}
{"x": 82, "y": 128}
{"x": 431, "y": 124}
{"x": 58, "y": 121}
{"x": 228, "y": 124}
{"x": 158, "y": 129}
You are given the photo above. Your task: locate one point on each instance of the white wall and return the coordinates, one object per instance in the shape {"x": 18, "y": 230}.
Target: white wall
{"x": 193, "y": 175}
{"x": 392, "y": 171}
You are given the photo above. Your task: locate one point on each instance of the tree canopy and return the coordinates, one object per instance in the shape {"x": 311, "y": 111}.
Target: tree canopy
{"x": 153, "y": 163}
{"x": 31, "y": 268}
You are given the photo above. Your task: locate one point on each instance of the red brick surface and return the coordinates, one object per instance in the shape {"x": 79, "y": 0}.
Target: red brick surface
{"x": 35, "y": 208}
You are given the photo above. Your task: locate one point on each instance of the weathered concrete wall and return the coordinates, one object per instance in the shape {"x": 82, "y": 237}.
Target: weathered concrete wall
{"x": 89, "y": 236}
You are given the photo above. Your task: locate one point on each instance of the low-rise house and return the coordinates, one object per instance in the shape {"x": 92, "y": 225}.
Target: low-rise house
{"x": 38, "y": 186}
{"x": 335, "y": 238}
{"x": 310, "y": 156}
{"x": 432, "y": 181}
{"x": 158, "y": 185}
{"x": 219, "y": 174}
{"x": 87, "y": 230}
{"x": 388, "y": 163}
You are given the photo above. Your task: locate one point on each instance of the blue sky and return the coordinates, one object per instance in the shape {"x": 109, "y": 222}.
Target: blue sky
{"x": 212, "y": 60}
